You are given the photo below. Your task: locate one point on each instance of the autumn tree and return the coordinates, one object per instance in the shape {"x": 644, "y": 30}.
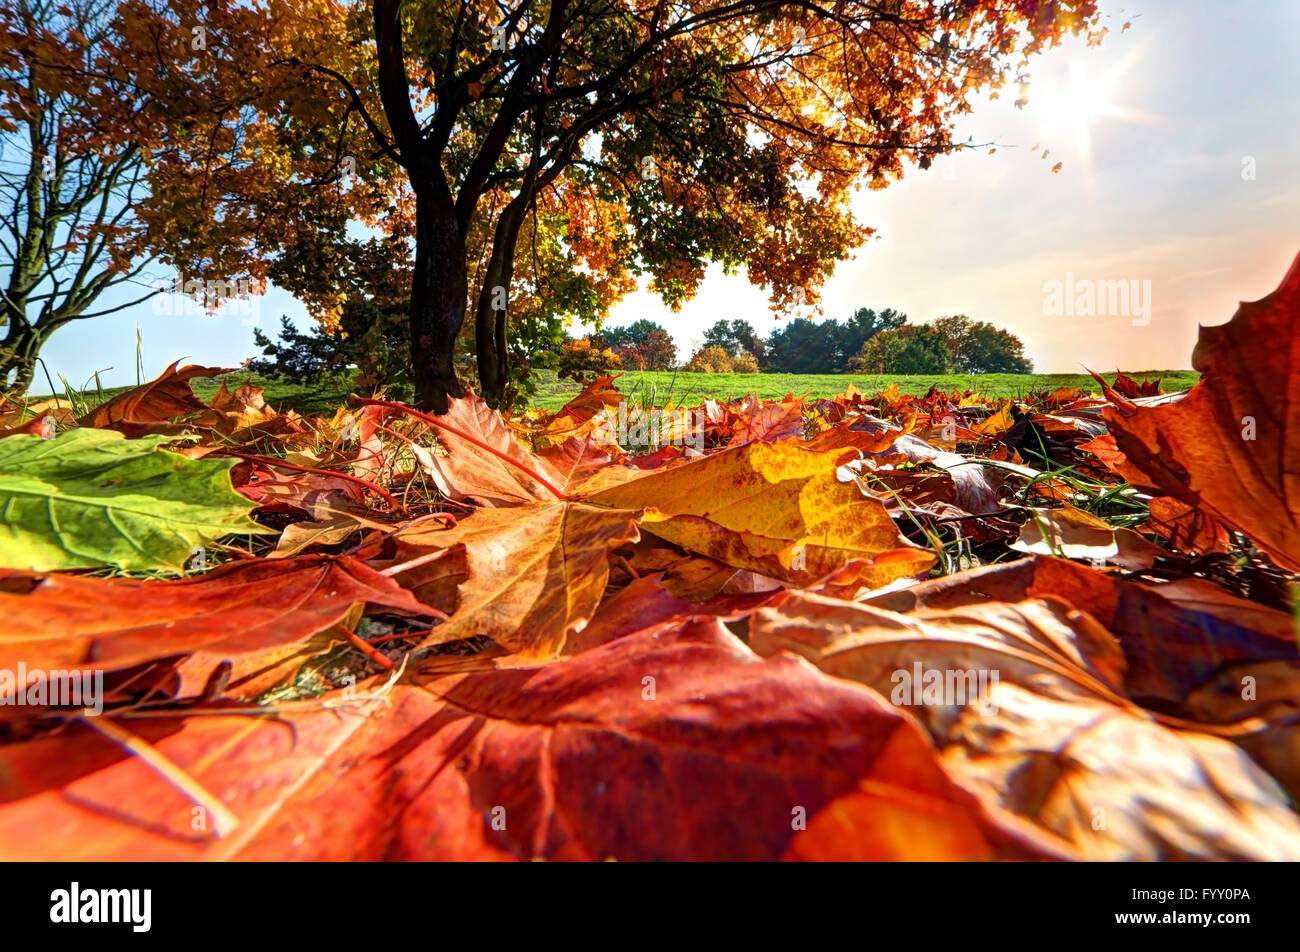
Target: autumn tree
{"x": 655, "y": 352}
{"x": 70, "y": 179}
{"x": 640, "y": 138}
{"x": 634, "y": 333}
{"x": 368, "y": 279}
{"x": 641, "y": 345}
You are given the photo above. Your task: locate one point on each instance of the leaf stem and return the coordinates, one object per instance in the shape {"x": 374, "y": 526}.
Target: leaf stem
{"x": 360, "y": 644}
{"x": 223, "y": 821}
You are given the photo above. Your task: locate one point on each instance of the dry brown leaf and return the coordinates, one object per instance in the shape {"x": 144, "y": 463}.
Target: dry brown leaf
{"x": 1048, "y": 735}
{"x": 776, "y": 509}
{"x": 1067, "y": 532}
{"x": 534, "y": 573}
{"x": 139, "y": 409}
{"x": 569, "y": 761}
{"x": 1231, "y": 447}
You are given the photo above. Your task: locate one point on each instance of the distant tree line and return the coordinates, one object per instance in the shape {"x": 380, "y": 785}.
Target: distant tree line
{"x": 877, "y": 342}
{"x": 869, "y": 341}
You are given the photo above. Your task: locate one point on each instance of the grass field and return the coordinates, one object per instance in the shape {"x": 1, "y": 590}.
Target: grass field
{"x": 307, "y": 399}
{"x": 686, "y": 389}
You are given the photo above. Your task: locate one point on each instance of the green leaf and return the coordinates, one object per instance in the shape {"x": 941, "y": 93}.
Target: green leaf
{"x": 90, "y": 498}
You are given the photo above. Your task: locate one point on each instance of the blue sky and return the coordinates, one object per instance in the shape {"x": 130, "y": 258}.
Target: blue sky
{"x": 1176, "y": 110}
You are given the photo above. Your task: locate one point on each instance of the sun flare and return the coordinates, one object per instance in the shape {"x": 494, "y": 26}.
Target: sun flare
{"x": 1085, "y": 97}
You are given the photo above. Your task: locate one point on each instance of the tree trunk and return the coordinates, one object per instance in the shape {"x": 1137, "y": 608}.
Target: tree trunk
{"x": 493, "y": 300}
{"x": 18, "y": 353}
{"x": 437, "y": 309}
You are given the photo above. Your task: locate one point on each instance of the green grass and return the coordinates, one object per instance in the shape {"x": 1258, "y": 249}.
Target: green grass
{"x": 307, "y": 399}
{"x": 686, "y": 389}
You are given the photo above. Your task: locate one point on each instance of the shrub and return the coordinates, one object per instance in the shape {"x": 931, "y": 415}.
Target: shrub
{"x": 744, "y": 363}
{"x": 710, "y": 360}
{"x": 579, "y": 360}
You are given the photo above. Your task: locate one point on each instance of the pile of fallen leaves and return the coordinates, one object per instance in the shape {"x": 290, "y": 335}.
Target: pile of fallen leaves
{"x": 871, "y": 626}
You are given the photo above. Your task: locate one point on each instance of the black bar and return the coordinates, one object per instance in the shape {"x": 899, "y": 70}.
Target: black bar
{"x": 277, "y": 905}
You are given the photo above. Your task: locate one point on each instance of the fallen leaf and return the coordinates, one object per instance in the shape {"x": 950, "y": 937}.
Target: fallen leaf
{"x": 483, "y": 460}
{"x": 1267, "y": 692}
{"x": 577, "y": 460}
{"x": 1185, "y": 527}
{"x": 776, "y": 509}
{"x": 1174, "y": 636}
{"x": 974, "y": 487}
{"x": 53, "y": 621}
{"x": 90, "y": 497}
{"x": 1231, "y": 447}
{"x": 565, "y": 762}
{"x": 1068, "y": 532}
{"x": 770, "y": 421}
{"x": 646, "y": 602}
{"x": 309, "y": 492}
{"x": 1027, "y": 709}
{"x": 536, "y": 572}
{"x": 592, "y": 413}
{"x": 157, "y": 401}
{"x": 299, "y": 536}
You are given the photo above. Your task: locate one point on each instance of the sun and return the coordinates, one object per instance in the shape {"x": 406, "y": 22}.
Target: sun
{"x": 1085, "y": 97}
